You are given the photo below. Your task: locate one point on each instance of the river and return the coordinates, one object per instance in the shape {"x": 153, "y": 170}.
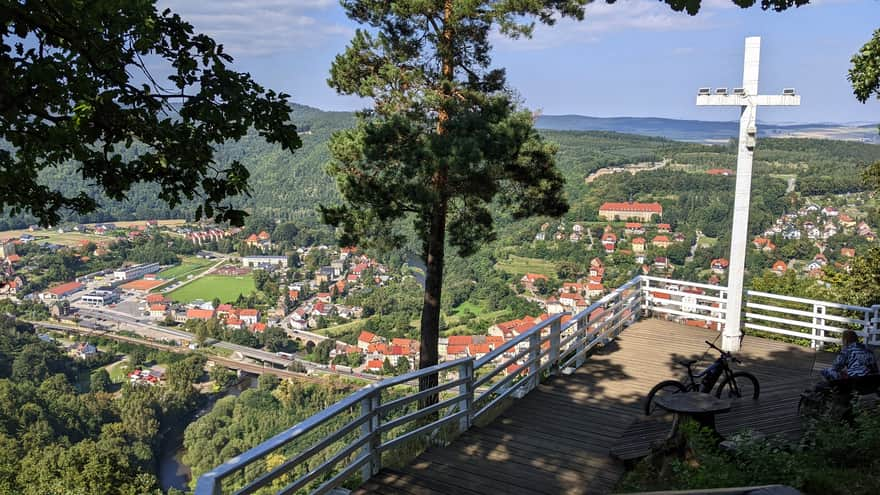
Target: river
{"x": 173, "y": 473}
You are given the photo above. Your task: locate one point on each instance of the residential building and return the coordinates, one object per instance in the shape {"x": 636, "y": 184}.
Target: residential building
{"x": 530, "y": 279}
{"x": 779, "y": 267}
{"x": 199, "y": 314}
{"x": 719, "y": 265}
{"x": 249, "y": 316}
{"x": 158, "y": 311}
{"x": 660, "y": 241}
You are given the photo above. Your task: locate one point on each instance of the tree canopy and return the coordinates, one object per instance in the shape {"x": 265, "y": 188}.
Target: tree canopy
{"x": 78, "y": 82}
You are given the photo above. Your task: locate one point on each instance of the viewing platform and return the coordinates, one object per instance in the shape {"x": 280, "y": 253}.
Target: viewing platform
{"x": 558, "y": 409}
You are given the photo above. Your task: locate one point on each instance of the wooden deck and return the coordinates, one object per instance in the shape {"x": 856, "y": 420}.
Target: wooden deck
{"x": 560, "y": 437}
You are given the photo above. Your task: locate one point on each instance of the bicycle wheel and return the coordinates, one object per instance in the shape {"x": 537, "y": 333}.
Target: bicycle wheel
{"x": 739, "y": 384}
{"x": 663, "y": 388}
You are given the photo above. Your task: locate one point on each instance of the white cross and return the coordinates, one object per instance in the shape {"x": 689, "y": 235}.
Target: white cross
{"x": 748, "y": 99}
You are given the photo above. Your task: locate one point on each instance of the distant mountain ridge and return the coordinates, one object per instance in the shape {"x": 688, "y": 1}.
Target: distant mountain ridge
{"x": 704, "y": 131}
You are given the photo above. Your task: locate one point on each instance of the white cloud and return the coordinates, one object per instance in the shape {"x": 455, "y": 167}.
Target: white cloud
{"x": 260, "y": 27}
{"x": 602, "y": 19}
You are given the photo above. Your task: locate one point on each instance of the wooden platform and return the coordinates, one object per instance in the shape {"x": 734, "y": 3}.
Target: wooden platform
{"x": 559, "y": 438}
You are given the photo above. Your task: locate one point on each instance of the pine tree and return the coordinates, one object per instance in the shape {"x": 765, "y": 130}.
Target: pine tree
{"x": 445, "y": 144}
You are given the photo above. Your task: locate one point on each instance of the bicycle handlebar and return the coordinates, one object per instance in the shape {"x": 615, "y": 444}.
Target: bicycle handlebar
{"x": 724, "y": 353}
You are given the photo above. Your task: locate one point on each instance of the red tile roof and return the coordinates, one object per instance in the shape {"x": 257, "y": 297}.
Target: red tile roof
{"x": 69, "y": 287}
{"x": 366, "y": 337}
{"x": 202, "y": 314}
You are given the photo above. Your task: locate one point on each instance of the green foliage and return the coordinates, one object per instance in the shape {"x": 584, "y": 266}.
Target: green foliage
{"x": 833, "y": 457}
{"x": 77, "y": 87}
{"x": 865, "y": 71}
{"x": 55, "y": 440}
{"x": 100, "y": 381}
{"x": 222, "y": 377}
{"x": 236, "y": 424}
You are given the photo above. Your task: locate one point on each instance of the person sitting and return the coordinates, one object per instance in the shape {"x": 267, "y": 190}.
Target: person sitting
{"x": 854, "y": 360}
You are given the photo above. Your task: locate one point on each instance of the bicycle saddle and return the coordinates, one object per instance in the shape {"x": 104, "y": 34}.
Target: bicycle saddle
{"x": 688, "y": 363}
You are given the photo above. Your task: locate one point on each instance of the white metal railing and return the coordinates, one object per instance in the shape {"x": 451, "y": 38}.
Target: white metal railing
{"x": 686, "y": 301}
{"x": 820, "y": 322}
{"x": 354, "y": 432}
{"x": 349, "y": 437}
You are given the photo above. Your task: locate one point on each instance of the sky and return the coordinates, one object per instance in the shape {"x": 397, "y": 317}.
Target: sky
{"x": 633, "y": 58}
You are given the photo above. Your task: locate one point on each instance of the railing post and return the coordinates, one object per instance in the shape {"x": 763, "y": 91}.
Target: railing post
{"x": 534, "y": 359}
{"x": 583, "y": 324}
{"x": 466, "y": 392}
{"x": 646, "y": 293}
{"x": 873, "y": 326}
{"x": 370, "y": 428}
{"x": 555, "y": 331}
{"x": 818, "y": 312}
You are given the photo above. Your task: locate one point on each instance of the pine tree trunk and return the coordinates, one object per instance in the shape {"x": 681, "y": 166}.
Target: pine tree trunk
{"x": 430, "y": 325}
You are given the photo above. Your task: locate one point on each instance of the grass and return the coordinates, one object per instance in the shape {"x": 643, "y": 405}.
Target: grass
{"x": 707, "y": 242}
{"x": 469, "y": 307}
{"x": 189, "y": 266}
{"x": 519, "y": 265}
{"x": 227, "y": 289}
{"x": 339, "y": 330}
{"x": 118, "y": 371}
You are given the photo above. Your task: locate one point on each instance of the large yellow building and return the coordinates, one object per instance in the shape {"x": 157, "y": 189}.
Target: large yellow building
{"x": 630, "y": 210}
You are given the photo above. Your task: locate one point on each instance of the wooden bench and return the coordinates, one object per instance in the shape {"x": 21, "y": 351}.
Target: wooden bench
{"x": 861, "y": 385}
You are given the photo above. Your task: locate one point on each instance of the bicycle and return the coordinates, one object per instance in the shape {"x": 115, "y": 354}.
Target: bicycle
{"x": 737, "y": 384}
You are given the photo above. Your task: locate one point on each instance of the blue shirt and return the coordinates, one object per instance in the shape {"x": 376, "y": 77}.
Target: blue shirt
{"x": 853, "y": 360}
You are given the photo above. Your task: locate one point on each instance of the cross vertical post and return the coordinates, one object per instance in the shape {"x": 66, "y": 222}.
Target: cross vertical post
{"x": 748, "y": 99}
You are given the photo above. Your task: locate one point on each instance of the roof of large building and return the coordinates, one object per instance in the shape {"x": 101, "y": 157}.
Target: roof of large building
{"x": 632, "y": 206}
{"x": 60, "y": 290}
{"x": 204, "y": 314}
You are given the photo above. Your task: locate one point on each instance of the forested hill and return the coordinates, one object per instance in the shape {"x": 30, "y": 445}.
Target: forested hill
{"x": 290, "y": 186}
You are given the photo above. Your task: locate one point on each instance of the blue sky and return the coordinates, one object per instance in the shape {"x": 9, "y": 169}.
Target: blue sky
{"x": 632, "y": 58}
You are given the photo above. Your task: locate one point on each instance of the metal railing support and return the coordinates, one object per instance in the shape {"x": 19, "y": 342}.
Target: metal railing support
{"x": 583, "y": 325}
{"x": 534, "y": 360}
{"x": 370, "y": 428}
{"x": 818, "y": 320}
{"x": 555, "y": 335}
{"x": 466, "y": 392}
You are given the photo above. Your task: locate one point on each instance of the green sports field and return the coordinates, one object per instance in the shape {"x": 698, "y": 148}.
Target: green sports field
{"x": 211, "y": 286}
{"x": 189, "y": 266}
